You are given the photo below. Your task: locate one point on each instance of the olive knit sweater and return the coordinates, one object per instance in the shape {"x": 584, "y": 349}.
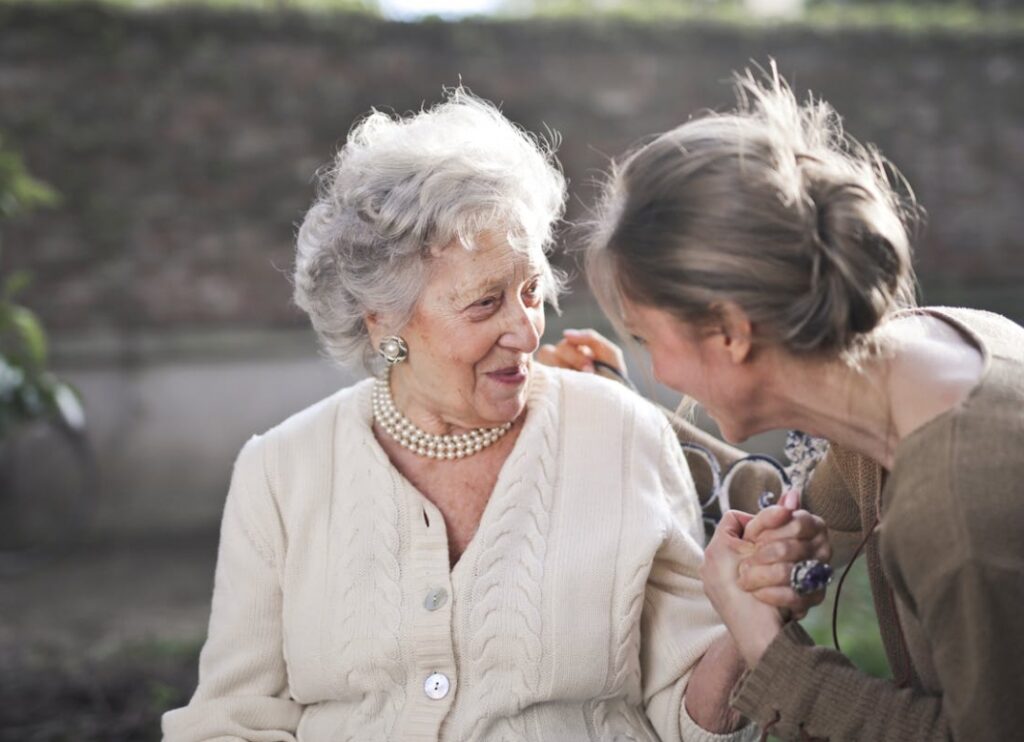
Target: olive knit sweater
{"x": 946, "y": 564}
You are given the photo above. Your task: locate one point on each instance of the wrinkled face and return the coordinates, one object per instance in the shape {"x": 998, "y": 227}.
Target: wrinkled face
{"x": 472, "y": 335}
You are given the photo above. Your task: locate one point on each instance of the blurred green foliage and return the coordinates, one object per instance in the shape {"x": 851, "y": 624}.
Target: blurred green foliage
{"x": 19, "y": 192}
{"x": 1002, "y": 17}
{"x": 857, "y": 626}
{"x": 28, "y": 391}
{"x": 983, "y": 16}
{"x": 905, "y": 15}
{"x": 367, "y": 7}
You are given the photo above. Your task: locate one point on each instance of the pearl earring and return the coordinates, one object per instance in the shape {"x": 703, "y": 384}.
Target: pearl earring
{"x": 393, "y": 350}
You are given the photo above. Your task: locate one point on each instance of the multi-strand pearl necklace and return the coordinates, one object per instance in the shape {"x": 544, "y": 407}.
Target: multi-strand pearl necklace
{"x": 420, "y": 442}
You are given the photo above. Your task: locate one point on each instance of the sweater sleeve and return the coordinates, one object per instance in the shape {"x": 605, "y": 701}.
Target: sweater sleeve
{"x": 678, "y": 623}
{"x": 799, "y": 689}
{"x": 243, "y": 693}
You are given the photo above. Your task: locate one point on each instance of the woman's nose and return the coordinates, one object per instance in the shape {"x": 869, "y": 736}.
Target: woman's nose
{"x": 522, "y": 333}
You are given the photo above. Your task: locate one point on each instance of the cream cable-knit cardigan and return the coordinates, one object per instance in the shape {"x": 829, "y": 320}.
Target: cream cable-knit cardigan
{"x": 575, "y": 613}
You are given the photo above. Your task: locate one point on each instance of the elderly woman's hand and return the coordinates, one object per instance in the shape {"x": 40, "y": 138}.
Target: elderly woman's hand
{"x": 752, "y": 623}
{"x": 780, "y": 536}
{"x": 578, "y": 350}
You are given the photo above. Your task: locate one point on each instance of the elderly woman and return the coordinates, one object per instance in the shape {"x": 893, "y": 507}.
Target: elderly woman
{"x": 466, "y": 547}
{"x": 761, "y": 257}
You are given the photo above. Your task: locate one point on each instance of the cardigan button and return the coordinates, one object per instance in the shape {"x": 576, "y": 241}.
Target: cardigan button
{"x": 435, "y": 599}
{"x": 437, "y": 686}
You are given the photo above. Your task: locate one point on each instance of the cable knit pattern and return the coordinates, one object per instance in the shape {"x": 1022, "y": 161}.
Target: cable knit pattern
{"x": 552, "y": 626}
{"x": 369, "y": 567}
{"x": 627, "y": 658}
{"x": 609, "y": 713}
{"x": 506, "y": 617}
{"x": 625, "y": 676}
{"x": 619, "y": 721}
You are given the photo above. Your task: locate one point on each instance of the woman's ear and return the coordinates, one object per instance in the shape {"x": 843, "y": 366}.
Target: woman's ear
{"x": 737, "y": 331}
{"x": 373, "y": 328}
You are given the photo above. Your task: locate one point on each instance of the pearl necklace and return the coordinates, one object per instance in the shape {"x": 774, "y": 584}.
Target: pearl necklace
{"x": 422, "y": 443}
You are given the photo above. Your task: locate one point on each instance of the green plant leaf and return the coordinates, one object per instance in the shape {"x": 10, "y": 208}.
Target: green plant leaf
{"x": 29, "y": 329}
{"x": 19, "y": 191}
{"x": 27, "y": 391}
{"x": 31, "y": 193}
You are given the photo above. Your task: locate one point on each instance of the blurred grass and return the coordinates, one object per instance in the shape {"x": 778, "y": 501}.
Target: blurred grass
{"x": 360, "y": 7}
{"x": 118, "y": 698}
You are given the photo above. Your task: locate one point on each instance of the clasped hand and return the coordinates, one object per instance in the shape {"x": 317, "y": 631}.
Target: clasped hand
{"x": 747, "y": 568}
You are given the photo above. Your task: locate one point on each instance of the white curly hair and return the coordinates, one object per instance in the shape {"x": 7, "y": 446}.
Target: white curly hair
{"x": 402, "y": 188}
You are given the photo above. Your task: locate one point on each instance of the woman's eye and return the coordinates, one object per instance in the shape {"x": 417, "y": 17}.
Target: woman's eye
{"x": 533, "y": 290}
{"x": 638, "y": 340}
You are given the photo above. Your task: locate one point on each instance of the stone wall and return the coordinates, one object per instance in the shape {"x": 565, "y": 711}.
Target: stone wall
{"x": 184, "y": 141}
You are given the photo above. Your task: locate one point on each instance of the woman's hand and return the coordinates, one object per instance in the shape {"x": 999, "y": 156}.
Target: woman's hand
{"x": 578, "y": 350}
{"x": 752, "y": 623}
{"x": 781, "y": 536}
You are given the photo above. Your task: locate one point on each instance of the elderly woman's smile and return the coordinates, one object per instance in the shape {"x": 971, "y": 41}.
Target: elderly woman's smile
{"x": 471, "y": 337}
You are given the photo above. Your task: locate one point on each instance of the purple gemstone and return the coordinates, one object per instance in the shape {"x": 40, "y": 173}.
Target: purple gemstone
{"x": 816, "y": 577}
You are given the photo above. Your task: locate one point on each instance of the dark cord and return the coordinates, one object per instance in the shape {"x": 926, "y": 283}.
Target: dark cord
{"x": 614, "y": 371}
